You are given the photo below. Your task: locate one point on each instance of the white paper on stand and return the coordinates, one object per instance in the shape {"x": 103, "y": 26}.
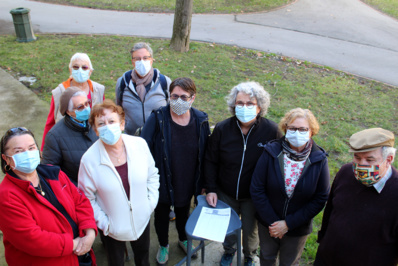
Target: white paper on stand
{"x": 213, "y": 224}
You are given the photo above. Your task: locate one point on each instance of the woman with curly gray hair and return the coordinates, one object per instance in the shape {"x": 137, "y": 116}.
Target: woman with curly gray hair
{"x": 231, "y": 156}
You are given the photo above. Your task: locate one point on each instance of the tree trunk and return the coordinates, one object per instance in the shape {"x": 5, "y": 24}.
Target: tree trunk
{"x": 182, "y": 25}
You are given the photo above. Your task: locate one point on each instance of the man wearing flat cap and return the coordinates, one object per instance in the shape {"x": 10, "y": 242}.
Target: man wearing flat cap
{"x": 360, "y": 222}
{"x": 70, "y": 138}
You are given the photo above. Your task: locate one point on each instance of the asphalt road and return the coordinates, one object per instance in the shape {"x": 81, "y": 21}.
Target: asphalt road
{"x": 344, "y": 34}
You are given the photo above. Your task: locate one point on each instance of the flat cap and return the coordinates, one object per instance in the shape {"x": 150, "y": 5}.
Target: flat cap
{"x": 371, "y": 139}
{"x": 65, "y": 97}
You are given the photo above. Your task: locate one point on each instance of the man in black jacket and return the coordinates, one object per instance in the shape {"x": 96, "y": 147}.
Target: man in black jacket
{"x": 70, "y": 138}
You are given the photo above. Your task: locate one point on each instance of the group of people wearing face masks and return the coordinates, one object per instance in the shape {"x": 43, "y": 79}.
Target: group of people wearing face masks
{"x": 274, "y": 176}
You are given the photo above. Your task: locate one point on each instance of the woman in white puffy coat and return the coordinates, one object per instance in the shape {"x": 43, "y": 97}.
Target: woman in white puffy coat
{"x": 119, "y": 177}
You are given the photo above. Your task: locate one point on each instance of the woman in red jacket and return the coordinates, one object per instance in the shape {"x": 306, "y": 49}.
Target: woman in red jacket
{"x": 45, "y": 219}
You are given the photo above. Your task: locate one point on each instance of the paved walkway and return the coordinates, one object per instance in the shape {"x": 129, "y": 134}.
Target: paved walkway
{"x": 343, "y": 34}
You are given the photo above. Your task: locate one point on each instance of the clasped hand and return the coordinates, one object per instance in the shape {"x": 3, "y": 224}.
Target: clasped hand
{"x": 278, "y": 229}
{"x": 82, "y": 245}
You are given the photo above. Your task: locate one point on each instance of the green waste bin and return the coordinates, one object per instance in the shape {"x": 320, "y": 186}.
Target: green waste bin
{"x": 22, "y": 24}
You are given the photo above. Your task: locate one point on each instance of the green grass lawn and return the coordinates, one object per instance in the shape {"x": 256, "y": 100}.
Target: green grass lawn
{"x": 168, "y": 6}
{"x": 343, "y": 103}
{"x": 389, "y": 7}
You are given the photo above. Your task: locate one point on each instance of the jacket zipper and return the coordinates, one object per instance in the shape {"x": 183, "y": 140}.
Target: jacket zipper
{"x": 243, "y": 156}
{"x": 200, "y": 134}
{"x": 166, "y": 159}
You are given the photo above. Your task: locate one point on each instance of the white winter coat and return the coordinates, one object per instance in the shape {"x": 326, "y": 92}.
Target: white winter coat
{"x": 114, "y": 214}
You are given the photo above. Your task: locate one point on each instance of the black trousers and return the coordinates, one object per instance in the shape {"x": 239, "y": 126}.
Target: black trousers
{"x": 162, "y": 222}
{"x": 115, "y": 249}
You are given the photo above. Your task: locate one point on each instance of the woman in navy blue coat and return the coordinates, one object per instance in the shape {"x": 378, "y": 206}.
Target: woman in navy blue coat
{"x": 290, "y": 186}
{"x": 177, "y": 135}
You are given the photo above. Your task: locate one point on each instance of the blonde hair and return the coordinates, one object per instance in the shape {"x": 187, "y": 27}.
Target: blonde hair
{"x": 293, "y": 114}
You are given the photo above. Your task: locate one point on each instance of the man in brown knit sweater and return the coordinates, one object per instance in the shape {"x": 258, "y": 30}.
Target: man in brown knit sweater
{"x": 360, "y": 222}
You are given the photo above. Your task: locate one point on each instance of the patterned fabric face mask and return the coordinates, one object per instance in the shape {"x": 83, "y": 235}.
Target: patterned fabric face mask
{"x": 179, "y": 106}
{"x": 366, "y": 174}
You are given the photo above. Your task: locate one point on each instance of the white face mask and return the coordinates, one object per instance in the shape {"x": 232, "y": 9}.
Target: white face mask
{"x": 297, "y": 139}
{"x": 142, "y": 67}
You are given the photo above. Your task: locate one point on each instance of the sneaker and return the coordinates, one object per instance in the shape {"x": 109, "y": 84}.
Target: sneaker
{"x": 226, "y": 259}
{"x": 184, "y": 246}
{"x": 249, "y": 262}
{"x": 163, "y": 255}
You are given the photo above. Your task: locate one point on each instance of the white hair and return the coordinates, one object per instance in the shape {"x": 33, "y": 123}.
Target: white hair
{"x": 80, "y": 56}
{"x": 386, "y": 151}
{"x": 70, "y": 104}
{"x": 254, "y": 90}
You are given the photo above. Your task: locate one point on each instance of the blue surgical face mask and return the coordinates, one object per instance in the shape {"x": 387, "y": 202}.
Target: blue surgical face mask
{"x": 80, "y": 75}
{"x": 245, "y": 114}
{"x": 110, "y": 134}
{"x": 142, "y": 67}
{"x": 297, "y": 139}
{"x": 84, "y": 114}
{"x": 26, "y": 162}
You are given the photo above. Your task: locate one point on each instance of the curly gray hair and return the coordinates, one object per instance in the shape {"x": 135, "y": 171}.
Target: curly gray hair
{"x": 140, "y": 45}
{"x": 255, "y": 90}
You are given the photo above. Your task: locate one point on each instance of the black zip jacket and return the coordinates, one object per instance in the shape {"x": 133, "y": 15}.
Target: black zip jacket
{"x": 308, "y": 199}
{"x": 157, "y": 134}
{"x": 231, "y": 157}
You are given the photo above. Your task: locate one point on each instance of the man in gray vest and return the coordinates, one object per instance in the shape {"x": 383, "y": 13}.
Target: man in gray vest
{"x": 141, "y": 90}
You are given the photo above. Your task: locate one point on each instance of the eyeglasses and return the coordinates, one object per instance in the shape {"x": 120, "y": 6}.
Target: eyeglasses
{"x": 183, "y": 97}
{"x": 249, "y": 105}
{"x": 301, "y": 130}
{"x": 83, "y": 106}
{"x": 83, "y": 67}
{"x": 135, "y": 59}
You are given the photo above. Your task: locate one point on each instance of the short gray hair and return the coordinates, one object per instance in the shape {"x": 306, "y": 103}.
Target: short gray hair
{"x": 140, "y": 45}
{"x": 70, "y": 104}
{"x": 386, "y": 151}
{"x": 80, "y": 56}
{"x": 254, "y": 90}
